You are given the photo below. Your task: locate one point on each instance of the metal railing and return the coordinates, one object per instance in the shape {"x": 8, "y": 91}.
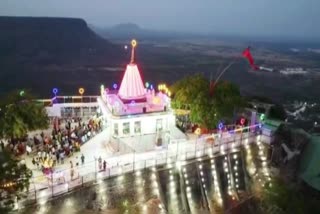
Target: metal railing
{"x": 90, "y": 173}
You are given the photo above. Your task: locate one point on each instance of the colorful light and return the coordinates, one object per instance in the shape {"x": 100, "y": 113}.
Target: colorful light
{"x": 220, "y": 126}
{"x": 81, "y": 91}
{"x": 262, "y": 117}
{"x": 242, "y": 121}
{"x": 134, "y": 43}
{"x": 22, "y": 93}
{"x": 147, "y": 84}
{"x": 156, "y": 100}
{"x": 55, "y": 91}
{"x": 197, "y": 131}
{"x": 115, "y": 86}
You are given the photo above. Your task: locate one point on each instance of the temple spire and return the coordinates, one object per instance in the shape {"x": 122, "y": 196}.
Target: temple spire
{"x": 132, "y": 87}
{"x": 133, "y": 44}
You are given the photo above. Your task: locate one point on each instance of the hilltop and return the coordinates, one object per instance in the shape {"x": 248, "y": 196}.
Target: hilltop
{"x": 50, "y": 40}
{"x": 40, "y": 53}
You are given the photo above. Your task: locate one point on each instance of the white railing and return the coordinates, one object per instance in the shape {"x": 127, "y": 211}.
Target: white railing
{"x": 175, "y": 152}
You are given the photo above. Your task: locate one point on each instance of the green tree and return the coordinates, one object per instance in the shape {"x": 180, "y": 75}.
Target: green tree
{"x": 228, "y": 99}
{"x": 206, "y": 108}
{"x": 21, "y": 113}
{"x": 186, "y": 90}
{"x": 14, "y": 177}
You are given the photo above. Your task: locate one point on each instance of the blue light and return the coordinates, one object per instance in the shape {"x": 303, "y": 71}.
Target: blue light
{"x": 115, "y": 86}
{"x": 220, "y": 126}
{"x": 55, "y": 91}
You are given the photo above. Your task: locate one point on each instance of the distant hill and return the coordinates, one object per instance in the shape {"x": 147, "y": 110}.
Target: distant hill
{"x": 41, "y": 53}
{"x": 50, "y": 40}
{"x": 127, "y": 31}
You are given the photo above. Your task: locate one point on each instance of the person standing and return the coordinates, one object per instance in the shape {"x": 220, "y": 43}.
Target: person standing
{"x": 58, "y": 156}
{"x": 62, "y": 157}
{"x": 28, "y": 149}
{"x": 104, "y": 165}
{"x": 82, "y": 159}
{"x": 71, "y": 170}
{"x": 33, "y": 161}
{"x": 2, "y": 146}
{"x": 39, "y": 155}
{"x": 100, "y": 162}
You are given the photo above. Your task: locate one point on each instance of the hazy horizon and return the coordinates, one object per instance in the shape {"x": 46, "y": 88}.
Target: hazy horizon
{"x": 264, "y": 18}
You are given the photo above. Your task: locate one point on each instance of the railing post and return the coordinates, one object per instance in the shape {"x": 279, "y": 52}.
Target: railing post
{"x": 95, "y": 168}
{"x": 134, "y": 157}
{"x": 195, "y": 147}
{"x": 52, "y": 184}
{"x": 177, "y": 152}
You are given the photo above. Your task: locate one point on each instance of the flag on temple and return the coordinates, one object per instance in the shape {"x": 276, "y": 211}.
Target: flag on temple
{"x": 246, "y": 53}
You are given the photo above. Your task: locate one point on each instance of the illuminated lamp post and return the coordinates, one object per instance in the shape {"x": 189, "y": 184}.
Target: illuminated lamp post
{"x": 242, "y": 121}
{"x": 55, "y": 92}
{"x": 220, "y": 127}
{"x": 81, "y": 91}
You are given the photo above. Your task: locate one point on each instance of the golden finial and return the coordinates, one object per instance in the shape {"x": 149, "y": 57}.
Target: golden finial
{"x": 134, "y": 44}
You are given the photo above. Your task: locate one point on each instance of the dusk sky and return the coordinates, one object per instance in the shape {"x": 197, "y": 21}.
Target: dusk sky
{"x": 296, "y": 18}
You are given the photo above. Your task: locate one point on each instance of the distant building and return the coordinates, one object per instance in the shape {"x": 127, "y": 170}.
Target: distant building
{"x": 292, "y": 71}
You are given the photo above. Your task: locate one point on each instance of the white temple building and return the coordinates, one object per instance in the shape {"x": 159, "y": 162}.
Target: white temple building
{"x": 134, "y": 110}
{"x": 136, "y": 116}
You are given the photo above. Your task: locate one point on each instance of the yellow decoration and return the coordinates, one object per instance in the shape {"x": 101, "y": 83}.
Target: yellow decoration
{"x": 134, "y": 43}
{"x": 81, "y": 91}
{"x": 197, "y": 131}
{"x": 156, "y": 100}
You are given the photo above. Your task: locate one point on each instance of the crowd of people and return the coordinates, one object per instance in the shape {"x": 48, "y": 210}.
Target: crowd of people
{"x": 53, "y": 147}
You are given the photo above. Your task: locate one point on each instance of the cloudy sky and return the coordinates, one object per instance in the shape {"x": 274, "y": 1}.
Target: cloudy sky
{"x": 295, "y": 18}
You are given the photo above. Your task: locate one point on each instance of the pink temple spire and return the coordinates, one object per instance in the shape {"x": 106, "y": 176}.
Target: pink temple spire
{"x": 132, "y": 87}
